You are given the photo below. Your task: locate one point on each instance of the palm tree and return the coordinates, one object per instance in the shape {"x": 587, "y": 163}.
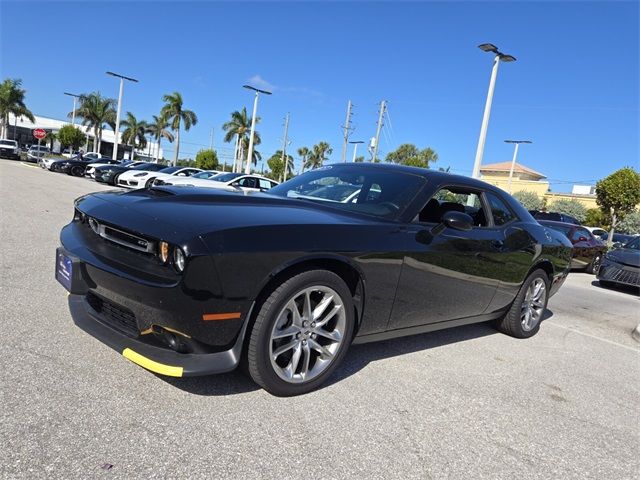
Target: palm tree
{"x": 176, "y": 115}
{"x": 244, "y": 147}
{"x": 12, "y": 102}
{"x": 240, "y": 127}
{"x": 96, "y": 111}
{"x": 134, "y": 131}
{"x": 304, "y": 153}
{"x": 159, "y": 130}
{"x": 318, "y": 155}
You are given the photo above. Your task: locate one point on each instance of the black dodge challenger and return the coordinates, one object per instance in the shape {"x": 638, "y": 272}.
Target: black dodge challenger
{"x": 186, "y": 281}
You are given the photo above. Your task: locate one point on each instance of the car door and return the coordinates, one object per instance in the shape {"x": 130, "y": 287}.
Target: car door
{"x": 451, "y": 275}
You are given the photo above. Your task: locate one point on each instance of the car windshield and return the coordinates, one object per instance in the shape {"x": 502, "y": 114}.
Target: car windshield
{"x": 382, "y": 193}
{"x": 12, "y": 143}
{"x": 633, "y": 244}
{"x": 169, "y": 169}
{"x": 559, "y": 228}
{"x": 204, "y": 175}
{"x": 148, "y": 166}
{"x": 225, "y": 177}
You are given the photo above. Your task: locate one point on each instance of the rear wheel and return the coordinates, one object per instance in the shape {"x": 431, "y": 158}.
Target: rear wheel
{"x": 594, "y": 266}
{"x": 77, "y": 171}
{"x": 301, "y": 333}
{"x": 526, "y": 312}
{"x": 114, "y": 179}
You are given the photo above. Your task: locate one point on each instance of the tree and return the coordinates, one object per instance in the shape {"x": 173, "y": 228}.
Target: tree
{"x": 359, "y": 159}
{"x": 570, "y": 207}
{"x": 159, "y": 130}
{"x": 409, "y": 154}
{"x": 256, "y": 156}
{"x": 134, "y": 132}
{"x": 239, "y": 128}
{"x": 276, "y": 166}
{"x": 529, "y": 200}
{"x": 177, "y": 115}
{"x": 303, "y": 152}
{"x": 597, "y": 218}
{"x": 318, "y": 155}
{"x": 12, "y": 102}
{"x": 630, "y": 223}
{"x": 618, "y": 194}
{"x": 72, "y": 137}
{"x": 207, "y": 160}
{"x": 95, "y": 111}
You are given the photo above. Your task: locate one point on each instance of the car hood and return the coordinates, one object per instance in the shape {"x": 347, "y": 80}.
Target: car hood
{"x": 199, "y": 211}
{"x": 625, "y": 256}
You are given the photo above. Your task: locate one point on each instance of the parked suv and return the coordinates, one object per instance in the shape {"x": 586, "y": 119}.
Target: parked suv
{"x": 9, "y": 149}
{"x": 554, "y": 217}
{"x": 36, "y": 153}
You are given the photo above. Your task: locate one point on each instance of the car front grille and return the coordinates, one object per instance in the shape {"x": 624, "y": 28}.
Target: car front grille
{"x": 121, "y": 237}
{"x": 616, "y": 274}
{"x": 116, "y": 316}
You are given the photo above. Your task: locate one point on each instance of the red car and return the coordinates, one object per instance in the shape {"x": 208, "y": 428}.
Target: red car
{"x": 588, "y": 251}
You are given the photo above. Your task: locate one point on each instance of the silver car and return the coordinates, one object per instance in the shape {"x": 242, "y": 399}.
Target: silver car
{"x": 35, "y": 153}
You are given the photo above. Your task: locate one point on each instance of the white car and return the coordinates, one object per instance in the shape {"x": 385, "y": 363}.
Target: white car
{"x": 37, "y": 153}
{"x": 90, "y": 171}
{"x": 597, "y": 232}
{"x": 230, "y": 181}
{"x": 205, "y": 174}
{"x": 145, "y": 178}
{"x": 9, "y": 149}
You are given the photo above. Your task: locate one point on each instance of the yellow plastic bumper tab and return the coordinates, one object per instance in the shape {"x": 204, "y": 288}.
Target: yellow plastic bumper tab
{"x": 149, "y": 364}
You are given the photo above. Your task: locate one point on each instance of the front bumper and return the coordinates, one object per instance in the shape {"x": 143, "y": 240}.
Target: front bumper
{"x": 129, "y": 183}
{"x": 156, "y": 359}
{"x": 614, "y": 272}
{"x": 6, "y": 153}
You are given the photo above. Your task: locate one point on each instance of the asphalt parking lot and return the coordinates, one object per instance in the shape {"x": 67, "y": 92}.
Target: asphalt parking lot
{"x": 461, "y": 403}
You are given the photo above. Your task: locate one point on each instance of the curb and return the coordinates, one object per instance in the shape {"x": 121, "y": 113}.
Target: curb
{"x": 636, "y": 333}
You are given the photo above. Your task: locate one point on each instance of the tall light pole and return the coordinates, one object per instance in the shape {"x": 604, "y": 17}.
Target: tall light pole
{"x": 355, "y": 144}
{"x": 285, "y": 142}
{"x": 117, "y": 129}
{"x": 75, "y": 99}
{"x": 346, "y": 128}
{"x": 383, "y": 106}
{"x": 253, "y": 124}
{"x": 513, "y": 160}
{"x": 499, "y": 57}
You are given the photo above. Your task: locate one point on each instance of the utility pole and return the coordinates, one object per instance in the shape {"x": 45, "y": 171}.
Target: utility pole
{"x": 513, "y": 160}
{"x": 117, "y": 129}
{"x": 346, "y": 128}
{"x": 284, "y": 147}
{"x": 383, "y": 107}
{"x": 211, "y": 140}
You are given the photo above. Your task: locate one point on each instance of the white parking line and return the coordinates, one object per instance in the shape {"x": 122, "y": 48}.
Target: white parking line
{"x": 636, "y": 350}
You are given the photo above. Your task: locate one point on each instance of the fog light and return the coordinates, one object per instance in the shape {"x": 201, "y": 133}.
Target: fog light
{"x": 164, "y": 252}
{"x": 178, "y": 259}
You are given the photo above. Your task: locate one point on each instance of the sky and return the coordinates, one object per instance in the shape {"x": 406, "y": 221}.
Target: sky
{"x": 573, "y": 91}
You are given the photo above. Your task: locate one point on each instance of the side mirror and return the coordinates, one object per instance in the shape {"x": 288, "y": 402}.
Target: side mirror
{"x": 455, "y": 220}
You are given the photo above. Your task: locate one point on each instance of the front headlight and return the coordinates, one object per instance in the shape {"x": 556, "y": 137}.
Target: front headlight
{"x": 178, "y": 259}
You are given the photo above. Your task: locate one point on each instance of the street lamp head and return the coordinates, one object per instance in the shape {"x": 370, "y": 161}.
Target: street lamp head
{"x": 356, "y": 141}
{"x": 518, "y": 141}
{"x": 507, "y": 58}
{"x": 488, "y": 47}
{"x": 122, "y": 76}
{"x": 72, "y": 94}
{"x": 249, "y": 87}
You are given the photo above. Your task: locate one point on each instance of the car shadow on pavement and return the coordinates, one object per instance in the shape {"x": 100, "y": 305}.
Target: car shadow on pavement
{"x": 357, "y": 358}
{"x": 635, "y": 291}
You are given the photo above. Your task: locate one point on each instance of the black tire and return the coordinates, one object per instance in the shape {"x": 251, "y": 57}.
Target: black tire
{"x": 259, "y": 363}
{"x": 512, "y": 323}
{"x": 149, "y": 183}
{"x": 606, "y": 284}
{"x": 594, "y": 266}
{"x": 114, "y": 180}
{"x": 77, "y": 171}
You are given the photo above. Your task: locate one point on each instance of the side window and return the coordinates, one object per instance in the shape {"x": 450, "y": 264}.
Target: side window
{"x": 499, "y": 210}
{"x": 579, "y": 232}
{"x": 454, "y": 199}
{"x": 248, "y": 182}
{"x": 266, "y": 184}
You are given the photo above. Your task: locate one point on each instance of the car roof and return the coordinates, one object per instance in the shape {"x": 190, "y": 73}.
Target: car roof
{"x": 552, "y": 223}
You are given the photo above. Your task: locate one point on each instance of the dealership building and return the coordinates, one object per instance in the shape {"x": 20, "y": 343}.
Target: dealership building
{"x": 21, "y": 128}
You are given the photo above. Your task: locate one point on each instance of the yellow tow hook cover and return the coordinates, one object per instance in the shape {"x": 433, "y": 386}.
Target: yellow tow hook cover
{"x": 151, "y": 365}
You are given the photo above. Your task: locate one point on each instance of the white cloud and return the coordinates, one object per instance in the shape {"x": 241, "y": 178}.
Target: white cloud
{"x": 259, "y": 82}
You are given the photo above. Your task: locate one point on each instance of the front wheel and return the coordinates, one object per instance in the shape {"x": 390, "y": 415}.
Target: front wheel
{"x": 523, "y": 318}
{"x": 77, "y": 171}
{"x": 301, "y": 333}
{"x": 149, "y": 183}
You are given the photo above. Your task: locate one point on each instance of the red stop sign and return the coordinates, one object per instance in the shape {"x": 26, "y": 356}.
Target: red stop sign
{"x": 39, "y": 133}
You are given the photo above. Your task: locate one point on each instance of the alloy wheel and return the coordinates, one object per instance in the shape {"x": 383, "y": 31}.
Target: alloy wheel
{"x": 307, "y": 334}
{"x": 533, "y": 304}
